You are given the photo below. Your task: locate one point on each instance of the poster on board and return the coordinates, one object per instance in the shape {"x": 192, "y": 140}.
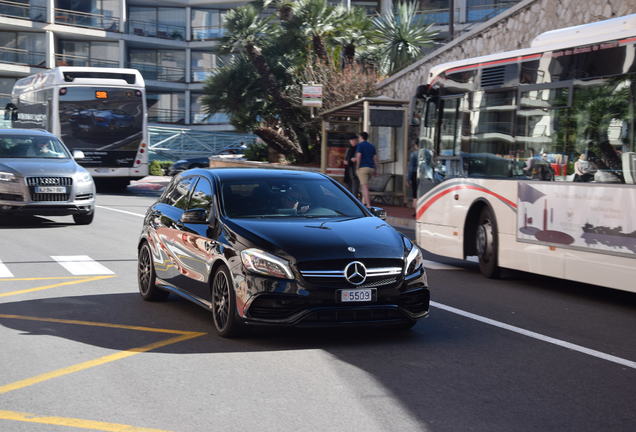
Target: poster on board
{"x": 385, "y": 144}
{"x": 580, "y": 216}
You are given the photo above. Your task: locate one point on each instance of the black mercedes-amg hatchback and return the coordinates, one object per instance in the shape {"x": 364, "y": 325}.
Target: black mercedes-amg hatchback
{"x": 277, "y": 247}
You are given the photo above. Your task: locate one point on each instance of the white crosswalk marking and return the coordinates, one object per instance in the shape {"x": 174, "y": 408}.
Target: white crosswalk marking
{"x": 4, "y": 271}
{"x": 82, "y": 265}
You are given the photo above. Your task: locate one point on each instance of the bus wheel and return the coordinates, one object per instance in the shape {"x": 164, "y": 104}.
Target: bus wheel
{"x": 486, "y": 244}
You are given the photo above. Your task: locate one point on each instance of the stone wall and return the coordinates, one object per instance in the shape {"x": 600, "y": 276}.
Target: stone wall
{"x": 513, "y": 29}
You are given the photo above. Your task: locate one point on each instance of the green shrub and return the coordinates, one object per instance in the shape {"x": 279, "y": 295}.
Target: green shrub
{"x": 257, "y": 152}
{"x": 159, "y": 168}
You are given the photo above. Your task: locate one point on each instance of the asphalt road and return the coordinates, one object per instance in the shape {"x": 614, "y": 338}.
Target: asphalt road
{"x": 83, "y": 351}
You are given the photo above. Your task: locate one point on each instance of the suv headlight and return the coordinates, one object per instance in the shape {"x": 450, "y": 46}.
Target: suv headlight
{"x": 83, "y": 178}
{"x": 261, "y": 262}
{"x": 8, "y": 177}
{"x": 414, "y": 260}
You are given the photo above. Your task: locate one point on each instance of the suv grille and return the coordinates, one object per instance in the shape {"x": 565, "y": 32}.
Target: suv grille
{"x": 34, "y": 182}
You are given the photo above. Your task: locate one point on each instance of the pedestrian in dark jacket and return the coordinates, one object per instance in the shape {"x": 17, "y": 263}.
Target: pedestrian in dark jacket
{"x": 350, "y": 177}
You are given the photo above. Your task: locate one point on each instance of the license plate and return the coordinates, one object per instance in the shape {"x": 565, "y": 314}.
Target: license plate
{"x": 359, "y": 295}
{"x": 50, "y": 189}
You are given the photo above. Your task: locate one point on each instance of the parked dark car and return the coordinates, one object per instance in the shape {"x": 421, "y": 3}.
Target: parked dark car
{"x": 234, "y": 152}
{"x": 278, "y": 247}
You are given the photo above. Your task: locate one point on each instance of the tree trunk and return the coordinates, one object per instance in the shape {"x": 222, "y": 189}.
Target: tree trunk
{"x": 349, "y": 53}
{"x": 276, "y": 141}
{"x": 319, "y": 48}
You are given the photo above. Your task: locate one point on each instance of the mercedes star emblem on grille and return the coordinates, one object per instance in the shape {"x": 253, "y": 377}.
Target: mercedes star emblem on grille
{"x": 355, "y": 273}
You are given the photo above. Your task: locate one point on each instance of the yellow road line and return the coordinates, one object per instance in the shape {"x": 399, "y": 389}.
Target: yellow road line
{"x": 12, "y": 279}
{"x": 97, "y": 324}
{"x": 96, "y": 362}
{"x": 44, "y": 287}
{"x": 73, "y": 422}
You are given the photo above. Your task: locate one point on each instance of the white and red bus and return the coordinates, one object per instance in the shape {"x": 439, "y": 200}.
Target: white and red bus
{"x": 527, "y": 158}
{"x": 100, "y": 111}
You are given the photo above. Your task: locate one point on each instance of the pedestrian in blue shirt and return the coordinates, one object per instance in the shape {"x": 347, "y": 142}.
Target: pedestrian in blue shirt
{"x": 366, "y": 162}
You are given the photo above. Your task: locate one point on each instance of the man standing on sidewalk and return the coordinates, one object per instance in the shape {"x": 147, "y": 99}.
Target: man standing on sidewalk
{"x": 350, "y": 178}
{"x": 366, "y": 162}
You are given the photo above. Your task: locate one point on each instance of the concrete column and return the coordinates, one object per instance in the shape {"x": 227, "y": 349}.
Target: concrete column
{"x": 461, "y": 6}
{"x": 49, "y": 41}
{"x": 188, "y": 18}
{"x": 386, "y": 6}
{"x": 187, "y": 106}
{"x": 122, "y": 53}
{"x": 50, "y": 11}
{"x": 123, "y": 16}
{"x": 188, "y": 65}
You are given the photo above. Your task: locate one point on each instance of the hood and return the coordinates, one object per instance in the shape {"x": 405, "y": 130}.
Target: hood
{"x": 40, "y": 167}
{"x": 319, "y": 239}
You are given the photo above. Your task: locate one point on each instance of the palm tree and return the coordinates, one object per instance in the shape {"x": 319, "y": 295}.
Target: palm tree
{"x": 400, "y": 37}
{"x": 317, "y": 20}
{"x": 353, "y": 32}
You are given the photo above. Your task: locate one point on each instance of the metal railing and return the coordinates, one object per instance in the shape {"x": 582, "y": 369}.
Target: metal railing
{"x": 166, "y": 115}
{"x": 435, "y": 16}
{"x": 484, "y": 12}
{"x": 209, "y": 119}
{"x": 75, "y": 60}
{"x": 23, "y": 57}
{"x": 159, "y": 73}
{"x": 85, "y": 19}
{"x": 22, "y": 10}
{"x": 202, "y": 33}
{"x": 154, "y": 29}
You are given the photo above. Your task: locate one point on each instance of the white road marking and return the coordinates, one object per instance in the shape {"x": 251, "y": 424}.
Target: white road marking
{"x": 538, "y": 336}
{"x": 121, "y": 211}
{"x": 4, "y": 271}
{"x": 82, "y": 265}
{"x": 434, "y": 265}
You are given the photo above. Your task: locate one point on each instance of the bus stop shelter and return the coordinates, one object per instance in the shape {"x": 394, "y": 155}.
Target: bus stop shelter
{"x": 386, "y": 122}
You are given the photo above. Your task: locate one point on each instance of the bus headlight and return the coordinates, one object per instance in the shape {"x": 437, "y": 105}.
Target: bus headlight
{"x": 84, "y": 178}
{"x": 8, "y": 177}
{"x": 414, "y": 260}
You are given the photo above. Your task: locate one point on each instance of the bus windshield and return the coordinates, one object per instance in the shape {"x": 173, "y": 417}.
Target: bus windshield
{"x": 31, "y": 147}
{"x": 102, "y": 119}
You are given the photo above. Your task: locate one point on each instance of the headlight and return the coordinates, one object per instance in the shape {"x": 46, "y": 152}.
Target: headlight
{"x": 414, "y": 260}
{"x": 84, "y": 178}
{"x": 8, "y": 177}
{"x": 261, "y": 262}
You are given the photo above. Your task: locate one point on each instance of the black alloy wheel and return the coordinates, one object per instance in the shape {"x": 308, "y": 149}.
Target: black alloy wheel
{"x": 146, "y": 277}
{"x": 487, "y": 245}
{"x": 224, "y": 304}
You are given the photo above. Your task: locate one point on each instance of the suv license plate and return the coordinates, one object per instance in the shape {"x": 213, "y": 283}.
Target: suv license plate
{"x": 359, "y": 295}
{"x": 50, "y": 189}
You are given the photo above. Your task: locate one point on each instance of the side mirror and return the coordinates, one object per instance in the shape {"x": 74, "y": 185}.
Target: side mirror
{"x": 194, "y": 216}
{"x": 378, "y": 212}
{"x": 78, "y": 154}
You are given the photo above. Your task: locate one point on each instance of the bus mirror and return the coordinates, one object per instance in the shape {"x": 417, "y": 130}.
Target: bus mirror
{"x": 78, "y": 154}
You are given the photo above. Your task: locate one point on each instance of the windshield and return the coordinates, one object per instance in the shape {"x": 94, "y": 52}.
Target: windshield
{"x": 286, "y": 197}
{"x": 32, "y": 147}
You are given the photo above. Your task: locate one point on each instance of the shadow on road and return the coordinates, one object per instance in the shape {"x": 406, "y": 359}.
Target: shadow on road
{"x": 15, "y": 221}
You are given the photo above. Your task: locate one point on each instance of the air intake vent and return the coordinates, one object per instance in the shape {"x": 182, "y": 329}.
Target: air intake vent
{"x": 494, "y": 76}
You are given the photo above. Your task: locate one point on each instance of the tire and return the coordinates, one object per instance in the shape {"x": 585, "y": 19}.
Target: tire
{"x": 84, "y": 218}
{"x": 224, "y": 315}
{"x": 487, "y": 244}
{"x": 146, "y": 277}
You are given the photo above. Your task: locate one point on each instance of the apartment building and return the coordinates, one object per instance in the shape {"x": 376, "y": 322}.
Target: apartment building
{"x": 169, "y": 41}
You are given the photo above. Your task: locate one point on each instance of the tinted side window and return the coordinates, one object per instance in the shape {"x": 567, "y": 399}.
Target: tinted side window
{"x": 202, "y": 196}
{"x": 179, "y": 193}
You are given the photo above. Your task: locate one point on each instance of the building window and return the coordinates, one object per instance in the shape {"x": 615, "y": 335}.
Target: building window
{"x": 96, "y": 54}
{"x": 207, "y": 23}
{"x": 33, "y": 10}
{"x": 163, "y": 22}
{"x": 166, "y": 107}
{"x": 25, "y": 48}
{"x": 203, "y": 65}
{"x": 160, "y": 65}
{"x": 482, "y": 10}
{"x": 198, "y": 115}
{"x": 101, "y": 14}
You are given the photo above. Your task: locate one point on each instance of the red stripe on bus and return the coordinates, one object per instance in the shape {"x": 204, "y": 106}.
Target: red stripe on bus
{"x": 437, "y": 196}
{"x": 627, "y": 40}
{"x": 493, "y": 62}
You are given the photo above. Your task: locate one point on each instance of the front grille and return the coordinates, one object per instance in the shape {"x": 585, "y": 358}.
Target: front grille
{"x": 34, "y": 182}
{"x": 380, "y": 272}
{"x": 378, "y": 283}
{"x": 84, "y": 196}
{"x": 340, "y": 264}
{"x": 352, "y": 315}
{"x": 11, "y": 197}
{"x": 275, "y": 307}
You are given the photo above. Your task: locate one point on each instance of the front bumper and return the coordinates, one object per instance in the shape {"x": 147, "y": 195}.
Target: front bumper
{"x": 272, "y": 301}
{"x": 16, "y": 198}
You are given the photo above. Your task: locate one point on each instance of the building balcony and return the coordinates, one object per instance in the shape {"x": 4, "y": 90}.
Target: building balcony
{"x": 204, "y": 33}
{"x": 163, "y": 115}
{"x": 434, "y": 16}
{"x": 487, "y": 10}
{"x": 22, "y": 10}
{"x": 159, "y": 73}
{"x": 75, "y": 60}
{"x": 22, "y": 57}
{"x": 85, "y": 19}
{"x": 153, "y": 29}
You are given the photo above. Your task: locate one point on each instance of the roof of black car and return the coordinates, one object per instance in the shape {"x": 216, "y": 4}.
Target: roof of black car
{"x": 242, "y": 173}
{"x": 24, "y": 132}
